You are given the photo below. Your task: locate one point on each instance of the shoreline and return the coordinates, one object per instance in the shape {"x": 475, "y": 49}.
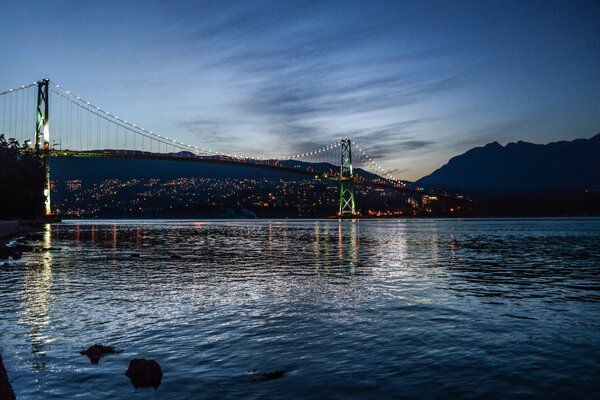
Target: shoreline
{"x": 9, "y": 229}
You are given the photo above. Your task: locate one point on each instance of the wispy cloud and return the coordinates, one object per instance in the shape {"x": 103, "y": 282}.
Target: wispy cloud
{"x": 309, "y": 68}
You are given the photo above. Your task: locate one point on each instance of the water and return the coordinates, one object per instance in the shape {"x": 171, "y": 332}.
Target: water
{"x": 368, "y": 309}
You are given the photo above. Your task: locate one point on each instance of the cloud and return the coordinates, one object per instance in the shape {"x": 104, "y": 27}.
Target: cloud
{"x": 388, "y": 141}
{"x": 207, "y": 131}
{"x": 306, "y": 65}
{"x": 394, "y": 149}
{"x": 397, "y": 172}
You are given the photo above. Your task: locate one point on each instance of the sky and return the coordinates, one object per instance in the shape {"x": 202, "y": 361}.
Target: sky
{"x": 412, "y": 83}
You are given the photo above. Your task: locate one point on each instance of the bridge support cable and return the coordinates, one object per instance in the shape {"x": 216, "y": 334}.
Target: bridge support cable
{"x": 117, "y": 131}
{"x": 374, "y": 168}
{"x": 15, "y": 125}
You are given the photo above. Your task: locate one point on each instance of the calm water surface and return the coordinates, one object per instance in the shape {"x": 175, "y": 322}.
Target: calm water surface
{"x": 368, "y": 309}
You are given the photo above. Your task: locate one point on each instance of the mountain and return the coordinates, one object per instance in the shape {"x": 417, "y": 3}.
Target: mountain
{"x": 523, "y": 167}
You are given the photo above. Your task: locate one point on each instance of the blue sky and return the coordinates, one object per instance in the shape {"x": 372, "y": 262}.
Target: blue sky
{"x": 413, "y": 83}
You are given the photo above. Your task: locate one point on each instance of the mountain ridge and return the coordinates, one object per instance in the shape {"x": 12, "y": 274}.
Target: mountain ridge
{"x": 522, "y": 166}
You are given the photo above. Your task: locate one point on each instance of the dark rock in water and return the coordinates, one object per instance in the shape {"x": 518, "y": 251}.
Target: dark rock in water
{"x": 97, "y": 351}
{"x": 4, "y": 252}
{"x": 144, "y": 373}
{"x": 23, "y": 248}
{"x": 134, "y": 255}
{"x": 6, "y": 390}
{"x": 267, "y": 376}
{"x": 175, "y": 256}
{"x": 7, "y": 252}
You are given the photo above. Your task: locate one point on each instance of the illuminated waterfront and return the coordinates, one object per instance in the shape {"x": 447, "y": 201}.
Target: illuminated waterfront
{"x": 257, "y": 197}
{"x": 352, "y": 309}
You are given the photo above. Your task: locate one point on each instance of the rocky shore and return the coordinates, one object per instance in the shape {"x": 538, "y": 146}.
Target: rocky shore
{"x": 13, "y": 228}
{"x": 6, "y": 390}
{"x": 9, "y": 228}
{"x": 16, "y": 227}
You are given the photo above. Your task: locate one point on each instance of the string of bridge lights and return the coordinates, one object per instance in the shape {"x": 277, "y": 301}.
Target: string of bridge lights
{"x": 163, "y": 139}
{"x": 18, "y": 89}
{"x": 119, "y": 122}
{"x": 311, "y": 153}
{"x": 381, "y": 170}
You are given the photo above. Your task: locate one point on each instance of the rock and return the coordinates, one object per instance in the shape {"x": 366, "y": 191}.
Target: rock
{"x": 97, "y": 351}
{"x": 23, "y": 248}
{"x": 135, "y": 255}
{"x": 6, "y": 390}
{"x": 7, "y": 252}
{"x": 144, "y": 373}
{"x": 267, "y": 376}
{"x": 175, "y": 257}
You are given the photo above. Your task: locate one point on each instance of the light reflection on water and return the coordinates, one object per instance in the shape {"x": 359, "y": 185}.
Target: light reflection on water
{"x": 35, "y": 302}
{"x": 352, "y": 309}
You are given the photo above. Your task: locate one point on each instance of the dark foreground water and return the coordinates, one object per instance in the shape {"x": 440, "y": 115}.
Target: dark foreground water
{"x": 369, "y": 309}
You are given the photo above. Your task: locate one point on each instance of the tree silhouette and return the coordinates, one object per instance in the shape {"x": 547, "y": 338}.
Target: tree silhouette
{"x": 21, "y": 180}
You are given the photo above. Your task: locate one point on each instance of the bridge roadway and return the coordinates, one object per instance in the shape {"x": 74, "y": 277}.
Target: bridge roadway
{"x": 267, "y": 164}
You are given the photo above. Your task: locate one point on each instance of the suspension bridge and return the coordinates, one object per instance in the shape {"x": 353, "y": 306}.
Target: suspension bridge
{"x": 82, "y": 129}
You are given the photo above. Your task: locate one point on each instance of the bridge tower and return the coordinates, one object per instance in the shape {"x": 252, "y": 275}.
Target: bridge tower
{"x": 346, "y": 177}
{"x": 42, "y": 136}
